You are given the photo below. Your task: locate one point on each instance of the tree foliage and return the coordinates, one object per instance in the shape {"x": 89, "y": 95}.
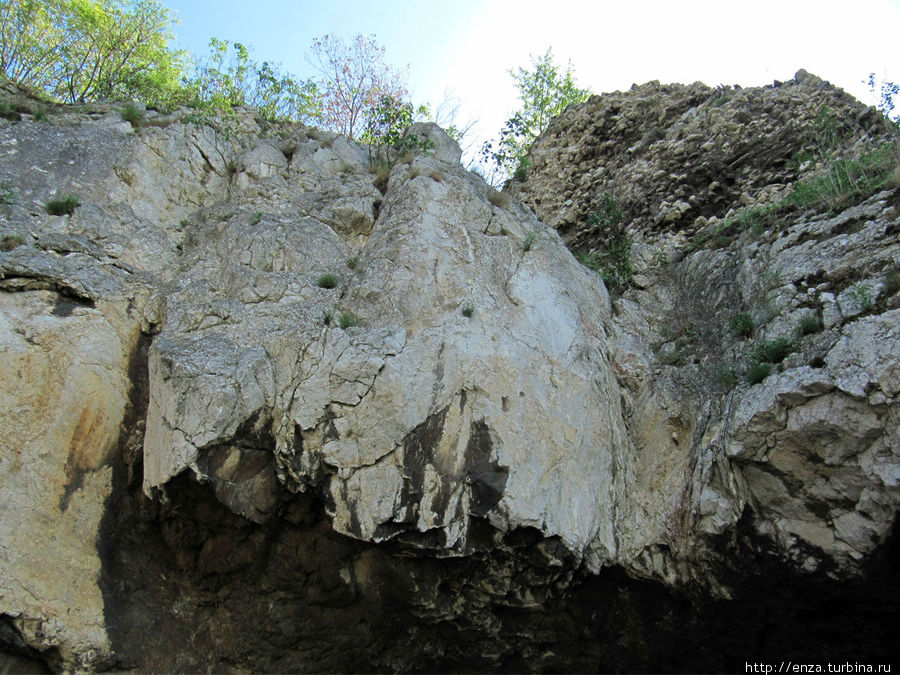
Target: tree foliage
{"x": 31, "y": 39}
{"x": 78, "y": 51}
{"x": 90, "y": 50}
{"x": 545, "y": 91}
{"x": 118, "y": 51}
{"x": 230, "y": 77}
{"x": 887, "y": 92}
{"x": 354, "y": 78}
{"x": 104, "y": 50}
{"x": 387, "y": 129}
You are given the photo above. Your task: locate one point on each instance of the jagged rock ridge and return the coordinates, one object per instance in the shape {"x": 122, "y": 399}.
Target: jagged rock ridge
{"x": 265, "y": 377}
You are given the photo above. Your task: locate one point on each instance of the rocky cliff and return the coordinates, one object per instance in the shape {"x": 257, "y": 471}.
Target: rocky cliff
{"x": 267, "y": 406}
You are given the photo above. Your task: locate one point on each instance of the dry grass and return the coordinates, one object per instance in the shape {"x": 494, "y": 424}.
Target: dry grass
{"x": 381, "y": 173}
{"x": 498, "y": 198}
{"x": 11, "y": 241}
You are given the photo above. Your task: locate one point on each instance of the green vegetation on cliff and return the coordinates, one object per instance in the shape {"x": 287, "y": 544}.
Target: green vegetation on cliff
{"x": 545, "y": 92}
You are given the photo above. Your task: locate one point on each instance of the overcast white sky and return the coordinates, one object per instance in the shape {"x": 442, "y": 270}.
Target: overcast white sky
{"x": 467, "y": 46}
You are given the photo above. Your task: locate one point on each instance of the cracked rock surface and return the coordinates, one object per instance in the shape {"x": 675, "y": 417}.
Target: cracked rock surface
{"x": 419, "y": 418}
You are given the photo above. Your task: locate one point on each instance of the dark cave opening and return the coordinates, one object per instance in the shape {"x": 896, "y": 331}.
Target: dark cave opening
{"x": 217, "y": 592}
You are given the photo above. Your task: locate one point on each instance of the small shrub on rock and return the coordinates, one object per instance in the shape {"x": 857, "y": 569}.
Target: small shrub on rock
{"x": 613, "y": 263}
{"x": 64, "y": 206}
{"x": 327, "y": 281}
{"x": 528, "y": 242}
{"x": 741, "y": 324}
{"x": 521, "y": 172}
{"x": 773, "y": 351}
{"x": 892, "y": 282}
{"x": 131, "y": 113}
{"x": 607, "y": 218}
{"x": 725, "y": 376}
{"x": 468, "y": 310}
{"x": 758, "y": 372}
{"x": 809, "y": 324}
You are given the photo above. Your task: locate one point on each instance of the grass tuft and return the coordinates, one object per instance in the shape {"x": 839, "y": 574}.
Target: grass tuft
{"x": 327, "y": 280}
{"x": 809, "y": 324}
{"x": 380, "y": 168}
{"x": 772, "y": 351}
{"x": 64, "y": 206}
{"x": 131, "y": 113}
{"x": 672, "y": 357}
{"x": 528, "y": 242}
{"x": 846, "y": 181}
{"x": 861, "y": 294}
{"x": 11, "y": 241}
{"x": 347, "y": 320}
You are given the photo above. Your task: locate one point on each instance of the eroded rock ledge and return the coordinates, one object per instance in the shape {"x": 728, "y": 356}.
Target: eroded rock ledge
{"x": 263, "y": 414}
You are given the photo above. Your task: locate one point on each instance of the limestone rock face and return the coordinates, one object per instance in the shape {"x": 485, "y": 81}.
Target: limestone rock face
{"x": 246, "y": 367}
{"x": 677, "y": 156}
{"x": 420, "y": 417}
{"x": 806, "y": 457}
{"x": 63, "y": 398}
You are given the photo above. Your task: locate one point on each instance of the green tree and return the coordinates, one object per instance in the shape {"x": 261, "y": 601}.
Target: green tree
{"x": 353, "y": 79}
{"x": 230, "y": 77}
{"x": 32, "y": 34}
{"x": 117, "y": 51}
{"x": 386, "y": 129}
{"x": 280, "y": 97}
{"x": 545, "y": 92}
{"x": 90, "y": 50}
